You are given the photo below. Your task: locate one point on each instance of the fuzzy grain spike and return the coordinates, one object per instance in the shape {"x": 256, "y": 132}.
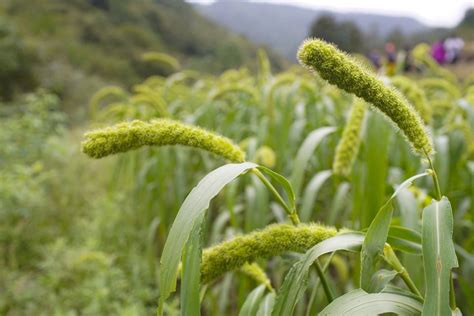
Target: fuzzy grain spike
{"x": 339, "y": 69}
{"x": 128, "y": 136}
{"x": 256, "y": 273}
{"x": 415, "y": 95}
{"x": 348, "y": 146}
{"x": 271, "y": 241}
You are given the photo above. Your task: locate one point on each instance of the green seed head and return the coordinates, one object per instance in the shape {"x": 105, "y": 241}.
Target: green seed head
{"x": 161, "y": 58}
{"x": 105, "y": 93}
{"x": 339, "y": 69}
{"x": 348, "y": 146}
{"x": 271, "y": 241}
{"x": 415, "y": 95}
{"x": 265, "y": 156}
{"x": 433, "y": 86}
{"x": 128, "y": 136}
{"x": 253, "y": 271}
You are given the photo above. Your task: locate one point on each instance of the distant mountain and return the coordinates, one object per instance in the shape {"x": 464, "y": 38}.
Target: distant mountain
{"x": 284, "y": 26}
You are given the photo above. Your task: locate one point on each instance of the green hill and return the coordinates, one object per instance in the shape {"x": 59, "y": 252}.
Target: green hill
{"x": 76, "y": 46}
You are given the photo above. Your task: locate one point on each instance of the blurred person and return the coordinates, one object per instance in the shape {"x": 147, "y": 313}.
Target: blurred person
{"x": 438, "y": 52}
{"x": 408, "y": 63}
{"x": 391, "y": 55}
{"x": 453, "y": 46}
{"x": 375, "y": 58}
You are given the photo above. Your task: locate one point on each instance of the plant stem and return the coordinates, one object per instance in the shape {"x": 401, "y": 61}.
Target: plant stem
{"x": 435, "y": 177}
{"x": 318, "y": 282}
{"x": 391, "y": 258}
{"x": 452, "y": 296}
{"x": 324, "y": 281}
{"x": 291, "y": 213}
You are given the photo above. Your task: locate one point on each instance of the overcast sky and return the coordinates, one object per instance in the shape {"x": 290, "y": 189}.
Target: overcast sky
{"x": 431, "y": 12}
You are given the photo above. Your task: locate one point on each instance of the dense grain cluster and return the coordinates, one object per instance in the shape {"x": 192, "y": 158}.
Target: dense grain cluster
{"x": 415, "y": 95}
{"x": 271, "y": 241}
{"x": 348, "y": 146}
{"x": 128, "y": 136}
{"x": 253, "y": 271}
{"x": 339, "y": 69}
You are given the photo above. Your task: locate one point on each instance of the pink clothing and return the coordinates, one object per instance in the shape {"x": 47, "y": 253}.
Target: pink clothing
{"x": 438, "y": 52}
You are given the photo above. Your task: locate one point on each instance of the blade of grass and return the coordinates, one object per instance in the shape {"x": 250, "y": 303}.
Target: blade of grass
{"x": 191, "y": 271}
{"x": 376, "y": 236}
{"x": 359, "y": 302}
{"x": 252, "y": 302}
{"x": 439, "y": 257}
{"x": 194, "y": 205}
{"x": 304, "y": 154}
{"x": 296, "y": 279}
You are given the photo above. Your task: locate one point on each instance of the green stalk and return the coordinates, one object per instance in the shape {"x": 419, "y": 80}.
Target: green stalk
{"x": 313, "y": 294}
{"x": 452, "y": 296}
{"x": 435, "y": 177}
{"x": 324, "y": 282}
{"x": 391, "y": 258}
{"x": 291, "y": 213}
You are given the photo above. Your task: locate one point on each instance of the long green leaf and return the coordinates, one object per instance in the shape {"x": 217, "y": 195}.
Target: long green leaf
{"x": 410, "y": 218}
{"x": 374, "y": 169}
{"x": 252, "y": 302}
{"x": 304, "y": 154}
{"x": 381, "y": 278}
{"x": 360, "y": 303}
{"x": 377, "y": 236}
{"x": 191, "y": 271}
{"x": 295, "y": 282}
{"x": 284, "y": 183}
{"x": 193, "y": 206}
{"x": 404, "y": 239}
{"x": 339, "y": 204}
{"x": 311, "y": 192}
{"x": 266, "y": 305}
{"x": 439, "y": 256}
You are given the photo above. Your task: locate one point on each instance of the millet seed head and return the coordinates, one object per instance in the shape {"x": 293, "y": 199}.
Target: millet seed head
{"x": 340, "y": 70}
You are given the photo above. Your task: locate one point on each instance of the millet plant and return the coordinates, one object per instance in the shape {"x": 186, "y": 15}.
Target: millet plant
{"x": 379, "y": 291}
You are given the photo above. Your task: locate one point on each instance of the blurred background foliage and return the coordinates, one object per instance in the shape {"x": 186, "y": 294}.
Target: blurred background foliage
{"x": 64, "y": 42}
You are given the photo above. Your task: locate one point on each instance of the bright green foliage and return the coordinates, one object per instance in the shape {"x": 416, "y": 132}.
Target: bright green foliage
{"x": 339, "y": 69}
{"x": 74, "y": 246}
{"x": 348, "y": 147}
{"x": 271, "y": 241}
{"x": 128, "y": 136}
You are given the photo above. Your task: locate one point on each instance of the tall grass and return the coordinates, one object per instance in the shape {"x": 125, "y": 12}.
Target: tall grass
{"x": 122, "y": 210}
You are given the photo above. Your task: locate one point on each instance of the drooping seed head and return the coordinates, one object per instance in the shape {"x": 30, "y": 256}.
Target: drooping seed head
{"x": 128, "y": 136}
{"x": 271, "y": 241}
{"x": 348, "y": 146}
{"x": 162, "y": 58}
{"x": 253, "y": 271}
{"x": 265, "y": 156}
{"x": 339, "y": 69}
{"x": 415, "y": 95}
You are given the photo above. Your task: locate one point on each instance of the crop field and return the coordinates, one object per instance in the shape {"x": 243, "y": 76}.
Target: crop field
{"x": 325, "y": 189}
